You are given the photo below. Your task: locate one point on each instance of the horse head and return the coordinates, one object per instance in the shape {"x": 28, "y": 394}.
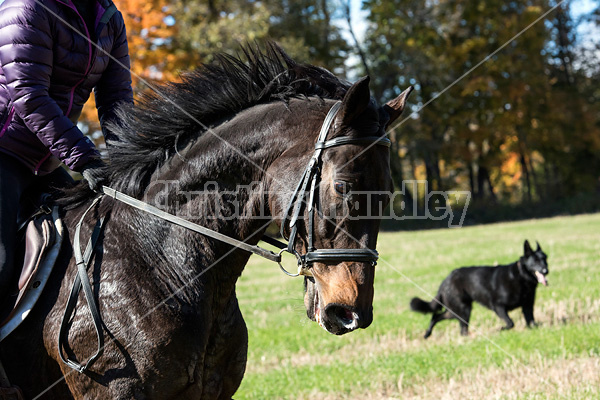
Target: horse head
{"x": 341, "y": 211}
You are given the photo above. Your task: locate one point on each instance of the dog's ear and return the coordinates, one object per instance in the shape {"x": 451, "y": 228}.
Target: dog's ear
{"x": 527, "y": 248}
{"x": 539, "y": 248}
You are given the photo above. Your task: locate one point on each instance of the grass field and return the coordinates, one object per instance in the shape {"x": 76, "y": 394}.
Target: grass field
{"x": 291, "y": 357}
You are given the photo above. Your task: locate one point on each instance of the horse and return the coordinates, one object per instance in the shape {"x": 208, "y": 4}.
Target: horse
{"x": 223, "y": 148}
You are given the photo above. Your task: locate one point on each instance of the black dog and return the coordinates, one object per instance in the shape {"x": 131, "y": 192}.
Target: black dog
{"x": 501, "y": 289}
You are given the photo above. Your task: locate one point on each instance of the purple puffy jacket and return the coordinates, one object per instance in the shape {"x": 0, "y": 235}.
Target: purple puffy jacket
{"x": 47, "y": 72}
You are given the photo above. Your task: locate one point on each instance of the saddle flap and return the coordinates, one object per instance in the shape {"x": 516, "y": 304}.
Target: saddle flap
{"x": 40, "y": 234}
{"x": 43, "y": 242}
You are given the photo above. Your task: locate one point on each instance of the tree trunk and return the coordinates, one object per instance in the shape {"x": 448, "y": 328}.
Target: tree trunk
{"x": 534, "y": 177}
{"x": 491, "y": 188}
{"x": 474, "y": 192}
{"x": 483, "y": 179}
{"x": 213, "y": 13}
{"x": 359, "y": 50}
{"x": 398, "y": 178}
{"x": 437, "y": 171}
{"x": 327, "y": 22}
{"x": 564, "y": 42}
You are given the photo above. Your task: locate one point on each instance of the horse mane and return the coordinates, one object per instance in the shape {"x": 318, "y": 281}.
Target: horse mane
{"x": 162, "y": 120}
{"x": 150, "y": 132}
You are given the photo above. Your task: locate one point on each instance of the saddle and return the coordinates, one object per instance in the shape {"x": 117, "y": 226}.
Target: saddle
{"x": 41, "y": 234}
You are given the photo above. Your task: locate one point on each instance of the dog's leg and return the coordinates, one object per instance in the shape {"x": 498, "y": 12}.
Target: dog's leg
{"x": 435, "y": 318}
{"x": 462, "y": 312}
{"x": 502, "y": 313}
{"x": 464, "y": 315}
{"x": 528, "y": 314}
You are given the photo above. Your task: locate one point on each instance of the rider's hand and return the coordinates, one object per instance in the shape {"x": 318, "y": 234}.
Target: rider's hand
{"x": 94, "y": 172}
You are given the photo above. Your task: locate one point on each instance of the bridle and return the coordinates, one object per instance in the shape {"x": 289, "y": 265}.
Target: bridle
{"x": 312, "y": 176}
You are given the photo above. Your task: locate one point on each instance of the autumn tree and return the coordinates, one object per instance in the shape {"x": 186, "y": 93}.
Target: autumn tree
{"x": 167, "y": 37}
{"x": 303, "y": 28}
{"x": 509, "y": 113}
{"x": 154, "y": 58}
{"x": 501, "y": 129}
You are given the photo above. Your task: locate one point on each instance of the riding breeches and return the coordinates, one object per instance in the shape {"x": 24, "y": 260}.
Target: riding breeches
{"x": 15, "y": 179}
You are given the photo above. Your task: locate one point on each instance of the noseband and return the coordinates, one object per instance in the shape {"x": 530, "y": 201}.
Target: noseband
{"x": 312, "y": 176}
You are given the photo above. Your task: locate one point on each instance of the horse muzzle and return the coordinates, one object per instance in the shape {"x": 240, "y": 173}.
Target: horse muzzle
{"x": 337, "y": 316}
{"x": 339, "y": 319}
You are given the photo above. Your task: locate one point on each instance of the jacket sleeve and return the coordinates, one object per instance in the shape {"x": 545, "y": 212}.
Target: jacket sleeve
{"x": 114, "y": 87}
{"x": 27, "y": 58}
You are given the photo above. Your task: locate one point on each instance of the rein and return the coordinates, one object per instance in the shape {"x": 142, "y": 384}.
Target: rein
{"x": 150, "y": 209}
{"x": 82, "y": 281}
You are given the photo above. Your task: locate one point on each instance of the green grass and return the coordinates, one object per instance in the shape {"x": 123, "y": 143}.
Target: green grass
{"x": 293, "y": 358}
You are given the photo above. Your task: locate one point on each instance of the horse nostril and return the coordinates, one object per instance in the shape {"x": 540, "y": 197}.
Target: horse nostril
{"x": 343, "y": 318}
{"x": 344, "y": 315}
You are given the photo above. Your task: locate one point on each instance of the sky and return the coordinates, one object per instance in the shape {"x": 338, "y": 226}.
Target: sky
{"x": 578, "y": 7}
{"x": 588, "y": 33}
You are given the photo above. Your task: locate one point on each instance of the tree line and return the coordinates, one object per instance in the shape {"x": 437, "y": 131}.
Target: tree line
{"x": 507, "y": 93}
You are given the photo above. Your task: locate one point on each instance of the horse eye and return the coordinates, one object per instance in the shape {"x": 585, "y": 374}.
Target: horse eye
{"x": 342, "y": 187}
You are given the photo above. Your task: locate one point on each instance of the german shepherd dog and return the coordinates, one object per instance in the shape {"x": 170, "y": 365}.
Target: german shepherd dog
{"x": 501, "y": 289}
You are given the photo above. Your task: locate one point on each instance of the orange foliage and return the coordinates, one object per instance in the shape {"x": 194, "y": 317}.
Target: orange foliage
{"x": 151, "y": 47}
{"x": 149, "y": 38}
{"x": 511, "y": 170}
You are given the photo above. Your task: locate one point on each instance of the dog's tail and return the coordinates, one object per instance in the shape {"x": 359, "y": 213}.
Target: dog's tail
{"x": 418, "y": 305}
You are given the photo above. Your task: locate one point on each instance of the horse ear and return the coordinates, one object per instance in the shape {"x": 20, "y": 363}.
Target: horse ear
{"x": 527, "y": 247}
{"x": 395, "y": 107}
{"x": 355, "y": 101}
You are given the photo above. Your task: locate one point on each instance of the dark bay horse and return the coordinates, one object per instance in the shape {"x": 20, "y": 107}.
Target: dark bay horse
{"x": 167, "y": 295}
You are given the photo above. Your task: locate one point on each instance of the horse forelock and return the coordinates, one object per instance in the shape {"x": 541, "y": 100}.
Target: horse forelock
{"x": 178, "y": 113}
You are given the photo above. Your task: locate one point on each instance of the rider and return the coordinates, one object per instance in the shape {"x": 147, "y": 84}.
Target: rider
{"x": 52, "y": 54}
